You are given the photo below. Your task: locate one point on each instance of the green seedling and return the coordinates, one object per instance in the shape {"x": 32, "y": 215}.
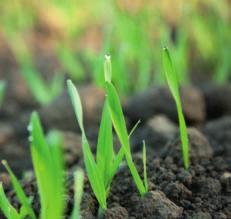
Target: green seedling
{"x": 79, "y": 180}
{"x": 49, "y": 169}
{"x": 19, "y": 192}
{"x": 7, "y": 209}
{"x": 119, "y": 124}
{"x": 2, "y": 90}
{"x": 172, "y": 80}
{"x": 102, "y": 170}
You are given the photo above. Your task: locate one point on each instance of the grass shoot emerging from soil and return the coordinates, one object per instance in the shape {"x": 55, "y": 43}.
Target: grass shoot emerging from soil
{"x": 2, "y": 91}
{"x": 79, "y": 180}
{"x": 172, "y": 80}
{"x": 119, "y": 124}
{"x": 49, "y": 170}
{"x": 102, "y": 170}
{"x": 26, "y": 209}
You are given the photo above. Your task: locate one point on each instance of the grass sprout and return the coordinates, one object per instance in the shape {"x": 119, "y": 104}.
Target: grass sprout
{"x": 172, "y": 80}
{"x": 7, "y": 209}
{"x": 101, "y": 170}
{"x": 145, "y": 166}
{"x": 49, "y": 169}
{"x": 79, "y": 180}
{"x": 2, "y": 90}
{"x": 24, "y": 200}
{"x": 119, "y": 124}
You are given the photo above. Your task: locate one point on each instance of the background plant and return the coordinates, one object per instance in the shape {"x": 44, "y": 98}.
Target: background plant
{"x": 132, "y": 33}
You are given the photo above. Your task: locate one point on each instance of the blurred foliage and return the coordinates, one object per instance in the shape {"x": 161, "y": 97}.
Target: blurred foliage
{"x": 81, "y": 32}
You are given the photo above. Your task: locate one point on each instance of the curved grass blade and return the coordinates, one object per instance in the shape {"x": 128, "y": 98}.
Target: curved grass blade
{"x": 94, "y": 174}
{"x": 2, "y": 91}
{"x": 105, "y": 152}
{"x": 7, "y": 209}
{"x": 172, "y": 81}
{"x": 48, "y": 165}
{"x": 19, "y": 192}
{"x": 121, "y": 130}
{"x": 145, "y": 166}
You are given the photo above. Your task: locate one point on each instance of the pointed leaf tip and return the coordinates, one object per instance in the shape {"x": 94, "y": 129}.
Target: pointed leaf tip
{"x": 107, "y": 68}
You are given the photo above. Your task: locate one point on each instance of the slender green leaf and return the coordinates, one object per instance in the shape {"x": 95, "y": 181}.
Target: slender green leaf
{"x": 172, "y": 81}
{"x": 2, "y": 91}
{"x": 134, "y": 128}
{"x": 48, "y": 165}
{"x": 19, "y": 191}
{"x": 119, "y": 124}
{"x": 107, "y": 68}
{"x": 144, "y": 166}
{"x": 94, "y": 174}
{"x": 79, "y": 180}
{"x": 76, "y": 103}
{"x": 7, "y": 209}
{"x": 105, "y": 152}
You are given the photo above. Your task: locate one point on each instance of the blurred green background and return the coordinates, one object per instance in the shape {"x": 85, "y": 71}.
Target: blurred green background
{"x": 51, "y": 40}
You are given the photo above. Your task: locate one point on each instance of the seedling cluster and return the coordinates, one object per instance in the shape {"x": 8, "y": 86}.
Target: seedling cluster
{"x": 50, "y": 177}
{"x": 101, "y": 170}
{"x": 48, "y": 161}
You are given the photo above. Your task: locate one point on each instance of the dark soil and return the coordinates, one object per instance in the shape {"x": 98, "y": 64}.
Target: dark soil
{"x": 201, "y": 192}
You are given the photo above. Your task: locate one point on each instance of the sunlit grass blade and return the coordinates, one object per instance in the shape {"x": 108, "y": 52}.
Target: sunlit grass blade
{"x": 48, "y": 166}
{"x": 121, "y": 130}
{"x": 7, "y": 209}
{"x": 55, "y": 142}
{"x": 145, "y": 166}
{"x": 19, "y": 191}
{"x": 172, "y": 81}
{"x": 107, "y": 69}
{"x": 105, "y": 152}
{"x": 2, "y": 91}
{"x": 94, "y": 174}
{"x": 78, "y": 186}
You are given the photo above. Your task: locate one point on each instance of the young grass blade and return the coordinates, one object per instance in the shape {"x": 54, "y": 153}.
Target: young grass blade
{"x": 48, "y": 167}
{"x": 78, "y": 180}
{"x": 2, "y": 91}
{"x": 55, "y": 142}
{"x": 107, "y": 68}
{"x": 7, "y": 209}
{"x": 172, "y": 81}
{"x": 121, "y": 130}
{"x": 19, "y": 191}
{"x": 94, "y": 174}
{"x": 105, "y": 152}
{"x": 134, "y": 128}
{"x": 145, "y": 166}
{"x": 76, "y": 103}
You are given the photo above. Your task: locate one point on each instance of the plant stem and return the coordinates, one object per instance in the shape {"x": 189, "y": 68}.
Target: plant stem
{"x": 101, "y": 212}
